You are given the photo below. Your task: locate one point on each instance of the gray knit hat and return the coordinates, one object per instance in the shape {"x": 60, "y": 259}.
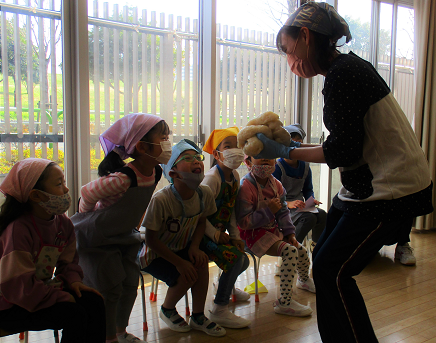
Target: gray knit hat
{"x": 322, "y": 18}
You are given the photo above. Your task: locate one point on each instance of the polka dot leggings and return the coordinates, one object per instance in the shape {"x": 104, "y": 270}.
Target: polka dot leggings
{"x": 294, "y": 260}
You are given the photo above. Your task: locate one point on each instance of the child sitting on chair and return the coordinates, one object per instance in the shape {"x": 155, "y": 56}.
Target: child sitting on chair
{"x": 265, "y": 224}
{"x": 174, "y": 224}
{"x": 40, "y": 278}
{"x": 296, "y": 178}
{"x": 226, "y": 250}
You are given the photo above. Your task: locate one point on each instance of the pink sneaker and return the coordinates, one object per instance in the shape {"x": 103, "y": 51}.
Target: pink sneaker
{"x": 308, "y": 285}
{"x": 294, "y": 309}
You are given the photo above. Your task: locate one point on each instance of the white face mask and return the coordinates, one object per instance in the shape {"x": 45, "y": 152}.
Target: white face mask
{"x": 165, "y": 155}
{"x": 190, "y": 179}
{"x": 232, "y": 158}
{"x": 56, "y": 204}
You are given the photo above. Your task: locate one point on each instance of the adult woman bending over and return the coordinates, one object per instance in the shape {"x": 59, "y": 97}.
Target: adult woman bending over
{"x": 384, "y": 173}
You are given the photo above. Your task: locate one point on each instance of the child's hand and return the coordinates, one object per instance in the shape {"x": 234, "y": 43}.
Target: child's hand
{"x": 296, "y": 204}
{"x": 238, "y": 244}
{"x": 275, "y": 205}
{"x": 77, "y": 287}
{"x": 224, "y": 238}
{"x": 71, "y": 300}
{"x": 187, "y": 271}
{"x": 317, "y": 202}
{"x": 198, "y": 258}
{"x": 291, "y": 240}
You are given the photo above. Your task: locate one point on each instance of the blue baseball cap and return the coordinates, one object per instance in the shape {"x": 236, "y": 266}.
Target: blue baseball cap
{"x": 177, "y": 150}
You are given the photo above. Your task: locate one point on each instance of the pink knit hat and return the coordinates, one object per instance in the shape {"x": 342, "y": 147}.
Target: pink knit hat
{"x": 123, "y": 135}
{"x": 23, "y": 177}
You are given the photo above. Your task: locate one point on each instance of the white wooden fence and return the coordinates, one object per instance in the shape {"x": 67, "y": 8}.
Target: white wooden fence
{"x": 159, "y": 77}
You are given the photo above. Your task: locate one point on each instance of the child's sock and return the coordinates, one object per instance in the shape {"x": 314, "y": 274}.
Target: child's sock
{"x": 303, "y": 264}
{"x": 289, "y": 256}
{"x": 199, "y": 319}
{"x": 121, "y": 333}
{"x": 169, "y": 313}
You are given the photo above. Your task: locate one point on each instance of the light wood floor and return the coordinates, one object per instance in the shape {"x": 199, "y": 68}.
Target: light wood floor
{"x": 401, "y": 302}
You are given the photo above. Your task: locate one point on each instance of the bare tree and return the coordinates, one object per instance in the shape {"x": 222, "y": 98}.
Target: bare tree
{"x": 43, "y": 32}
{"x": 279, "y": 10}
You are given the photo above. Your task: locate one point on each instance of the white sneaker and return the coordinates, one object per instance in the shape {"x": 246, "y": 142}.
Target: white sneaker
{"x": 404, "y": 253}
{"x": 209, "y": 327}
{"x": 181, "y": 326}
{"x": 228, "y": 319}
{"x": 309, "y": 285}
{"x": 294, "y": 309}
{"x": 129, "y": 338}
{"x": 241, "y": 295}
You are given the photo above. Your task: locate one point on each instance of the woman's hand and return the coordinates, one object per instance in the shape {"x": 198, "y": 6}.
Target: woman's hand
{"x": 296, "y": 204}
{"x": 198, "y": 258}
{"x": 317, "y": 203}
{"x": 224, "y": 238}
{"x": 78, "y": 287}
{"x": 275, "y": 205}
{"x": 238, "y": 244}
{"x": 272, "y": 149}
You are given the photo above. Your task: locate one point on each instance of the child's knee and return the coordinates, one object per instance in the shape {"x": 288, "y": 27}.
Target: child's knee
{"x": 302, "y": 251}
{"x": 288, "y": 251}
{"x": 204, "y": 270}
{"x": 112, "y": 295}
{"x": 245, "y": 262}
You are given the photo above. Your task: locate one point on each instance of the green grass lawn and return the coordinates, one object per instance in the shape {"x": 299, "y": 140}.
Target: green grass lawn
{"x": 92, "y": 96}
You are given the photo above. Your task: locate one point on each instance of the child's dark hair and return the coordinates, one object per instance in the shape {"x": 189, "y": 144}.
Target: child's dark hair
{"x": 296, "y": 135}
{"x": 113, "y": 161}
{"x": 12, "y": 209}
{"x": 325, "y": 49}
{"x": 215, "y": 161}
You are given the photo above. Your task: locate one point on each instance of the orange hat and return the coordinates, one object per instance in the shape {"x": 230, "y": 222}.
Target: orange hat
{"x": 217, "y": 136}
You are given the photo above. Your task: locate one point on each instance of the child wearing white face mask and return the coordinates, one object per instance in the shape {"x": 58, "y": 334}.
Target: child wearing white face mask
{"x": 40, "y": 279}
{"x": 225, "y": 249}
{"x": 111, "y": 208}
{"x": 265, "y": 223}
{"x": 174, "y": 228}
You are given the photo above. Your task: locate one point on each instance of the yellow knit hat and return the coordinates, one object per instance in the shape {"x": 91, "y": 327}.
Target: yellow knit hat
{"x": 217, "y": 136}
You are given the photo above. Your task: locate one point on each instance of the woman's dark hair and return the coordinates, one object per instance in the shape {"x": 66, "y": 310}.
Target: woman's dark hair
{"x": 12, "y": 209}
{"x": 113, "y": 161}
{"x": 325, "y": 49}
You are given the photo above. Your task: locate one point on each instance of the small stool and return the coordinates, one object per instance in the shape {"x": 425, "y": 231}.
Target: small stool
{"x": 256, "y": 263}
{"x": 153, "y": 298}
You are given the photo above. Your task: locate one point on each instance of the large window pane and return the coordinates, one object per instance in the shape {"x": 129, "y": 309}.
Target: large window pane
{"x": 143, "y": 58}
{"x": 404, "y": 87}
{"x": 384, "y": 42}
{"x": 31, "y": 102}
{"x": 252, "y": 77}
{"x": 357, "y": 14}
